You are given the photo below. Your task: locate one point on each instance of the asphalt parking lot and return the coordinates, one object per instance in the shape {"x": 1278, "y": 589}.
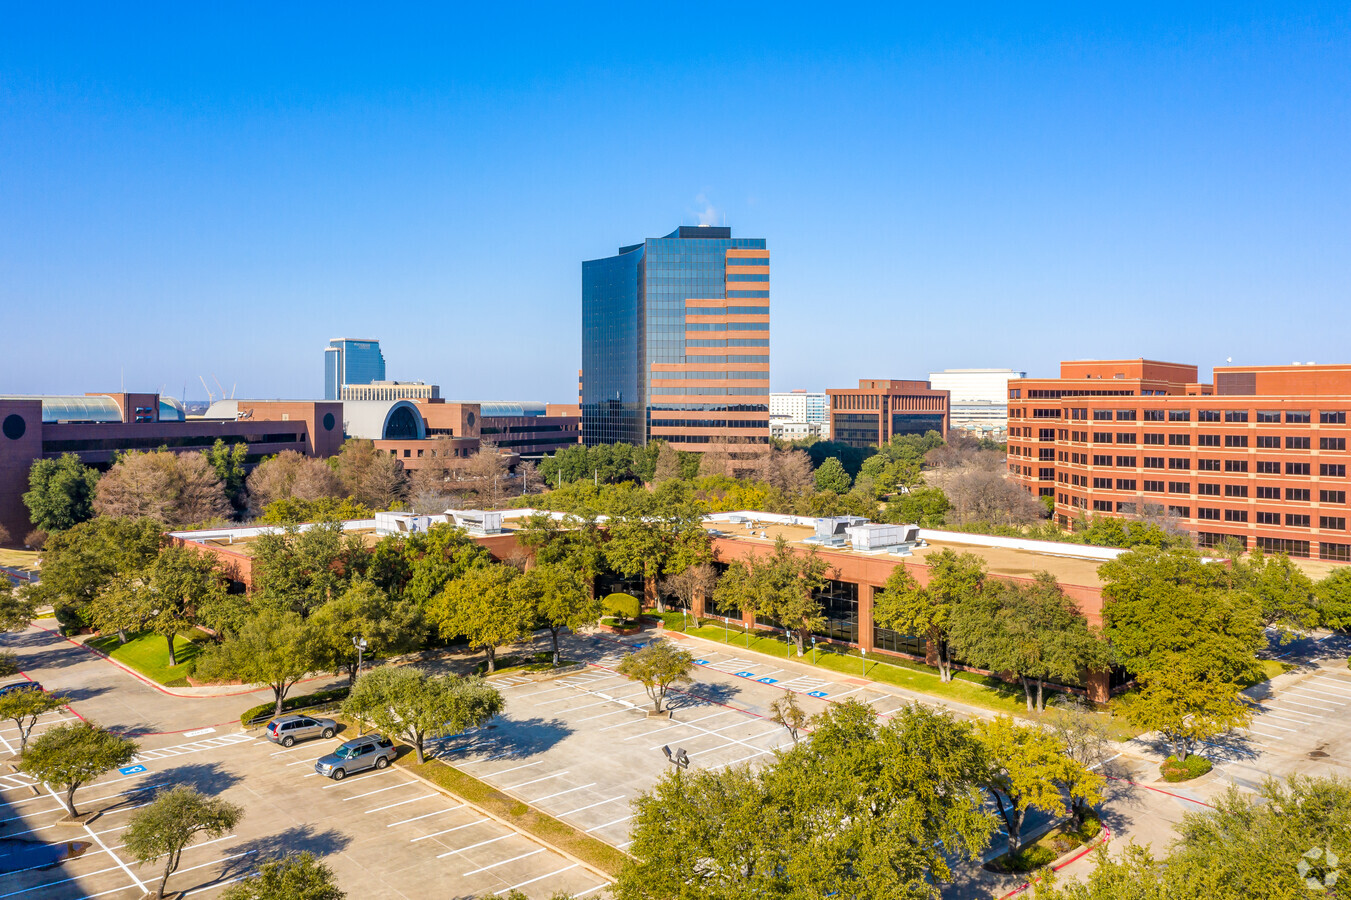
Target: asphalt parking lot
{"x": 386, "y": 834}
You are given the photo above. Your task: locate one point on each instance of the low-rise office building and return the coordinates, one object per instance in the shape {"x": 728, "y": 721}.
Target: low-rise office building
{"x": 794, "y": 415}
{"x": 978, "y": 399}
{"x": 879, "y": 409}
{"x": 1258, "y": 456}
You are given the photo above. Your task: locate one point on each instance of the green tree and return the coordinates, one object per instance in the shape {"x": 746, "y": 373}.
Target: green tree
{"x": 75, "y": 753}
{"x": 24, "y": 708}
{"x": 954, "y": 580}
{"x": 179, "y": 582}
{"x": 657, "y": 667}
{"x": 364, "y": 612}
{"x": 17, "y": 607}
{"x": 228, "y": 461}
{"x": 1025, "y": 768}
{"x": 60, "y": 493}
{"x": 409, "y": 703}
{"x": 481, "y": 607}
{"x": 831, "y": 476}
{"x": 273, "y": 647}
{"x": 80, "y": 562}
{"x": 1333, "y": 595}
{"x": 786, "y": 711}
{"x": 300, "y": 570}
{"x": 437, "y": 558}
{"x": 119, "y": 607}
{"x": 926, "y": 506}
{"x": 299, "y": 876}
{"x": 782, "y": 586}
{"x": 1185, "y": 704}
{"x": 1084, "y": 736}
{"x": 173, "y": 820}
{"x": 1283, "y": 594}
{"x": 559, "y": 598}
{"x": 651, "y": 546}
{"x": 1033, "y": 632}
{"x": 573, "y": 542}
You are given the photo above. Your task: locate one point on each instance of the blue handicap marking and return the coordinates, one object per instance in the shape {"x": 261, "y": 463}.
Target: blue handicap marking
{"x": 132, "y": 770}
{"x": 639, "y": 645}
{"x": 821, "y": 694}
{"x": 701, "y": 662}
{"x": 745, "y": 674}
{"x": 768, "y": 680}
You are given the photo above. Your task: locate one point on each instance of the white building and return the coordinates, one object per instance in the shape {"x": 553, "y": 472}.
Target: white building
{"x": 798, "y": 414}
{"x": 979, "y": 399}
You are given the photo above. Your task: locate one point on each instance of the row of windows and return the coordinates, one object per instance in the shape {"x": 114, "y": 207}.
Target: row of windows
{"x": 1264, "y": 441}
{"x": 726, "y": 310}
{"x": 709, "y": 391}
{"x": 700, "y": 358}
{"x": 710, "y": 407}
{"x": 730, "y": 342}
{"x": 746, "y": 295}
{"x": 748, "y": 260}
{"x": 154, "y": 443}
{"x": 1264, "y": 467}
{"x": 727, "y": 326}
{"x": 747, "y": 276}
{"x": 710, "y": 423}
{"x": 708, "y": 376}
{"x": 709, "y": 439}
{"x": 1266, "y": 416}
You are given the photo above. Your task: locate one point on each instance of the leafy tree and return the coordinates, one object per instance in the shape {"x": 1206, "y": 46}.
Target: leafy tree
{"x": 858, "y": 809}
{"x": 926, "y": 506}
{"x": 17, "y": 607}
{"x": 295, "y": 511}
{"x": 559, "y": 599}
{"x": 366, "y": 612}
{"x": 60, "y": 493}
{"x": 369, "y": 476}
{"x": 1084, "y": 736}
{"x": 24, "y": 708}
{"x": 653, "y": 546}
{"x": 481, "y": 606}
{"x": 1186, "y": 705}
{"x": 574, "y": 543}
{"x": 180, "y": 582}
{"x": 75, "y": 753}
{"x": 299, "y": 876}
{"x": 786, "y": 711}
{"x": 164, "y": 829}
{"x": 436, "y": 558}
{"x": 1025, "y": 767}
{"x": 694, "y": 583}
{"x": 79, "y": 563}
{"x": 1283, "y": 594}
{"x": 1033, "y": 632}
{"x": 119, "y": 607}
{"x": 1250, "y": 846}
{"x": 1334, "y": 600}
{"x": 273, "y": 647}
{"x": 228, "y": 461}
{"x": 300, "y": 570}
{"x": 658, "y": 667}
{"x": 668, "y": 464}
{"x": 291, "y": 475}
{"x": 954, "y": 581}
{"x": 407, "y": 702}
{"x": 174, "y": 488}
{"x": 831, "y": 476}
{"x": 782, "y": 586}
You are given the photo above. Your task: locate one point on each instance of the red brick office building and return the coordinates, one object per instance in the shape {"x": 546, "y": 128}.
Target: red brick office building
{"x": 1259, "y": 455}
{"x": 880, "y": 408}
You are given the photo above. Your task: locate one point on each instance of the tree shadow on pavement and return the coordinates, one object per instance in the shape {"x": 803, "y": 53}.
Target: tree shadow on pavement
{"x": 208, "y": 778}
{"x": 703, "y": 693}
{"x": 251, "y": 854}
{"x": 504, "y": 738}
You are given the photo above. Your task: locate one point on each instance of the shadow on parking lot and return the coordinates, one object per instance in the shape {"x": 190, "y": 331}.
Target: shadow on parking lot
{"x": 207, "y": 778}
{"x": 76, "y": 695}
{"x": 704, "y": 692}
{"x": 298, "y": 839}
{"x": 506, "y": 738}
{"x": 40, "y": 650}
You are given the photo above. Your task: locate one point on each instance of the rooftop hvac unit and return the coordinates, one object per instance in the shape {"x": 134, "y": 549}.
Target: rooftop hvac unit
{"x": 874, "y": 537}
{"x": 477, "y": 521}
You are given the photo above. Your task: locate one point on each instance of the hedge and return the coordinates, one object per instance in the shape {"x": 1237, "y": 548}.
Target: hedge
{"x": 622, "y": 606}
{"x": 296, "y": 702}
{"x": 1192, "y": 767}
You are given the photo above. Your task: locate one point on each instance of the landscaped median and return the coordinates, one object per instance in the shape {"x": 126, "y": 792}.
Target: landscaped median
{"x": 149, "y": 654}
{"x": 589, "y": 851}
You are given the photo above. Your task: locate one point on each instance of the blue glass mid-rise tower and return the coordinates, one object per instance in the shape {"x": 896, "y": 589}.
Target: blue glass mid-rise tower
{"x": 351, "y": 361}
{"x": 675, "y": 341}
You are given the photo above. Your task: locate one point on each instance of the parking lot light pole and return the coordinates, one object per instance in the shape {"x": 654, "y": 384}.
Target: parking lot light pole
{"x": 813, "y": 649}
{"x": 360, "y": 644}
{"x": 680, "y": 759}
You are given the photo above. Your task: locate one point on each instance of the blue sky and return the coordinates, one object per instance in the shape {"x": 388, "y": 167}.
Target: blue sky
{"x": 188, "y": 190}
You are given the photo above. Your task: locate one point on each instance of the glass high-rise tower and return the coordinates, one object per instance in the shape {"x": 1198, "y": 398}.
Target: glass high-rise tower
{"x": 675, "y": 341}
{"x": 351, "y": 361}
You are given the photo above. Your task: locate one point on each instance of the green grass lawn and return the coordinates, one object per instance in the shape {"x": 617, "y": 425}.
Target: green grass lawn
{"x": 1270, "y": 669}
{"x": 149, "y": 655}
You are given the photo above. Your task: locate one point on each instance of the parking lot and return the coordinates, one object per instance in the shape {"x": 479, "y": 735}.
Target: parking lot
{"x": 385, "y": 833}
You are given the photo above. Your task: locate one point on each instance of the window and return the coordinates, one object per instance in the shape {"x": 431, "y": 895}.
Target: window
{"x": 1268, "y": 493}
{"x": 1102, "y": 484}
{"x": 1208, "y": 465}
{"x": 1102, "y": 437}
{"x": 1283, "y": 545}
{"x": 1102, "y": 506}
{"x": 1179, "y": 415}
{"x": 1208, "y": 490}
{"x": 1127, "y": 462}
{"x": 1297, "y": 443}
{"x": 1235, "y": 490}
{"x": 1297, "y": 417}
{"x": 1126, "y": 508}
{"x": 1268, "y": 518}
{"x": 1078, "y": 412}
{"x": 1179, "y": 487}
{"x": 1298, "y": 494}
{"x": 1154, "y": 439}
{"x": 1236, "y": 415}
{"x": 1207, "y": 440}
{"x": 1207, "y": 415}
{"x": 1268, "y": 467}
{"x": 1125, "y": 415}
{"x": 1270, "y": 416}
{"x": 1153, "y": 415}
{"x": 1100, "y": 459}
{"x": 1297, "y": 468}
{"x": 1153, "y": 462}
{"x": 1204, "y": 512}
{"x": 1127, "y": 437}
{"x": 1332, "y": 418}
{"x": 1339, "y": 552}
{"x": 1155, "y": 486}
{"x": 1331, "y": 470}
{"x": 1235, "y": 465}
{"x": 1235, "y": 440}
{"x": 1332, "y": 443}
{"x": 1182, "y": 512}
{"x": 1102, "y": 415}
{"x": 1268, "y": 442}
{"x": 1235, "y": 515}
{"x": 1175, "y": 463}
{"x": 1125, "y": 484}
{"x": 1332, "y": 496}
{"x": 1297, "y": 520}
{"x": 1336, "y": 523}
{"x": 1046, "y": 474}
{"x": 1179, "y": 440}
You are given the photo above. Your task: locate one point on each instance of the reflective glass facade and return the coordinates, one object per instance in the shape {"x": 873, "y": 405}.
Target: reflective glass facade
{"x": 350, "y": 361}
{"x": 635, "y": 316}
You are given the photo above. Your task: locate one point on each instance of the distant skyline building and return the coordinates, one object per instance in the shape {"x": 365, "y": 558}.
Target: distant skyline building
{"x": 881, "y": 408}
{"x": 351, "y": 361}
{"x": 978, "y": 399}
{"x": 391, "y": 390}
{"x": 675, "y": 341}
{"x": 798, "y": 414}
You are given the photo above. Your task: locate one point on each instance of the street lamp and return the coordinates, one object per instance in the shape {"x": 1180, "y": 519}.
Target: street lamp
{"x": 360, "y": 644}
{"x": 813, "y": 649}
{"x": 865, "y": 661}
{"x": 680, "y": 759}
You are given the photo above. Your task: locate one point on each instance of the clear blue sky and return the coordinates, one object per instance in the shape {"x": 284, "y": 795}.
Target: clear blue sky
{"x": 188, "y": 190}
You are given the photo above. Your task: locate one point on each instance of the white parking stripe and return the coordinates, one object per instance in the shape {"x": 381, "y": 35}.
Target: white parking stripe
{"x": 400, "y": 803}
{"x": 512, "y": 787}
{"x": 592, "y": 806}
{"x": 561, "y": 793}
{"x": 504, "y": 862}
{"x": 505, "y": 771}
{"x": 448, "y": 830}
{"x": 1325, "y": 693}
{"x": 379, "y": 791}
{"x": 370, "y": 773}
{"x": 515, "y": 887}
{"x": 427, "y": 816}
{"x": 1271, "y": 715}
{"x": 1267, "y": 724}
{"x": 479, "y": 844}
{"x": 1310, "y": 694}
{"x": 1308, "y": 705}
{"x": 608, "y": 824}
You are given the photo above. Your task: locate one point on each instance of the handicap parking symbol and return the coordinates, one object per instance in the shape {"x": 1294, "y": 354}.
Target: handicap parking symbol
{"x": 701, "y": 662}
{"x": 821, "y": 694}
{"x": 132, "y": 770}
{"x": 745, "y": 674}
{"x": 768, "y": 680}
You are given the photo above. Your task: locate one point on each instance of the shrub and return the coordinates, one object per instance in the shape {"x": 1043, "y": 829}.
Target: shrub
{"x": 35, "y": 539}
{"x": 622, "y": 606}
{"x": 1192, "y": 767}
{"x": 290, "y": 703}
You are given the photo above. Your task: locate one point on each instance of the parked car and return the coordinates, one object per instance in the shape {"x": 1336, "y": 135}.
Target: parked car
{"x": 289, "y": 729}
{"x": 18, "y": 686}
{"x": 370, "y": 752}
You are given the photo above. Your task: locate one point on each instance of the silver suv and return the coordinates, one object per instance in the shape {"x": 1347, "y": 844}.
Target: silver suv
{"x": 357, "y": 755}
{"x": 289, "y": 729}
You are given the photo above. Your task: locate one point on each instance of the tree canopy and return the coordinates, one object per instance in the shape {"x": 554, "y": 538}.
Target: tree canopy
{"x": 955, "y": 579}
{"x": 273, "y": 647}
{"x": 407, "y": 702}
{"x": 60, "y": 493}
{"x": 298, "y": 876}
{"x": 482, "y": 607}
{"x": 74, "y": 753}
{"x": 177, "y": 815}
